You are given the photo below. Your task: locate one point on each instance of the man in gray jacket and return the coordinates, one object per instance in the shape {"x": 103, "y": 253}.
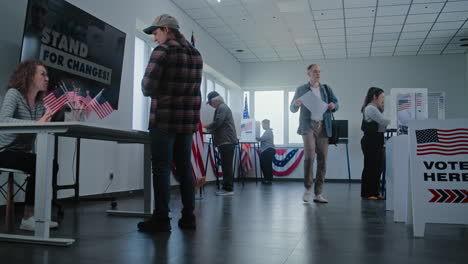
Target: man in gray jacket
{"x": 224, "y": 137}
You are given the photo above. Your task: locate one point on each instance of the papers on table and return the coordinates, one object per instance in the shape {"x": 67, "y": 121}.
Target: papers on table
{"x": 315, "y": 105}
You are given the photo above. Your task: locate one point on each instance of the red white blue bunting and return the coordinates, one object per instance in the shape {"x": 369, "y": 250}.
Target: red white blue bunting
{"x": 286, "y": 160}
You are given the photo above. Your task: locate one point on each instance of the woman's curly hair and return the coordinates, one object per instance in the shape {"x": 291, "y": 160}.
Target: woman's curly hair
{"x": 23, "y": 75}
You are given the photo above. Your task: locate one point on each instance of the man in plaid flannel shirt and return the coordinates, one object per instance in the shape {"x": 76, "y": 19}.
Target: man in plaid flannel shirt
{"x": 172, "y": 80}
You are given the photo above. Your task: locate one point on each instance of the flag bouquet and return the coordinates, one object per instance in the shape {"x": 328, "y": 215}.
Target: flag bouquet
{"x": 78, "y": 100}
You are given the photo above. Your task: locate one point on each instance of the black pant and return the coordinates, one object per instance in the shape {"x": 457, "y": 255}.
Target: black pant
{"x": 266, "y": 159}
{"x": 373, "y": 150}
{"x": 227, "y": 155}
{"x": 21, "y": 161}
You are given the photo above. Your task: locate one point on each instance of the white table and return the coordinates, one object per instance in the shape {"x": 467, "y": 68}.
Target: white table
{"x": 44, "y": 150}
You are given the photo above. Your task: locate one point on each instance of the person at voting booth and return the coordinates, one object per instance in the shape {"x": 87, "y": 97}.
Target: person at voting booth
{"x": 372, "y": 143}
{"x": 224, "y": 137}
{"x": 23, "y": 104}
{"x": 315, "y": 129}
{"x": 267, "y": 151}
{"x": 172, "y": 80}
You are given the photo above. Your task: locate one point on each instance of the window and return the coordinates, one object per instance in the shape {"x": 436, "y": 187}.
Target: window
{"x": 293, "y": 123}
{"x": 222, "y": 91}
{"x": 267, "y": 107}
{"x": 209, "y": 86}
{"x": 141, "y": 104}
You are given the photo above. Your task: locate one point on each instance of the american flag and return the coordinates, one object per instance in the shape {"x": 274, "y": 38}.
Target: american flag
{"x": 55, "y": 100}
{"x": 245, "y": 114}
{"x": 101, "y": 106}
{"x": 246, "y": 126}
{"x": 198, "y": 168}
{"x": 447, "y": 142}
{"x": 404, "y": 104}
{"x": 418, "y": 99}
{"x": 245, "y": 158}
{"x": 87, "y": 100}
{"x": 80, "y": 98}
{"x": 215, "y": 162}
{"x": 193, "y": 40}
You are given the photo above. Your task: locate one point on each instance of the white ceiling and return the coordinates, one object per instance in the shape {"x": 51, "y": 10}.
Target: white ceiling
{"x": 281, "y": 30}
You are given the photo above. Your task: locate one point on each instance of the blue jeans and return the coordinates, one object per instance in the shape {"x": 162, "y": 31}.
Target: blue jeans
{"x": 166, "y": 148}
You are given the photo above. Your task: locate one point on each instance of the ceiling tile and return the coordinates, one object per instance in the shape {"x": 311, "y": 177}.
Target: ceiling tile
{"x": 453, "y": 16}
{"x": 291, "y": 53}
{"x": 313, "y": 57}
{"x": 359, "y": 30}
{"x": 386, "y": 36}
{"x": 382, "y": 49}
{"x": 332, "y": 39}
{"x": 384, "y": 43}
{"x": 328, "y": 14}
{"x": 257, "y": 43}
{"x": 388, "y": 29}
{"x": 390, "y": 20}
{"x": 292, "y": 6}
{"x": 200, "y": 13}
{"x": 334, "y": 45}
{"x": 285, "y": 48}
{"x": 358, "y": 55}
{"x": 428, "y": 8}
{"x": 394, "y": 2}
{"x": 413, "y": 35}
{"x": 459, "y": 51}
{"x": 331, "y": 32}
{"x": 360, "y": 12}
{"x": 422, "y": 18}
{"x": 396, "y": 10}
{"x": 359, "y": 3}
{"x": 325, "y": 24}
{"x": 404, "y": 42}
{"x": 329, "y": 4}
{"x": 382, "y": 54}
{"x": 433, "y": 47}
{"x": 303, "y": 41}
{"x": 360, "y": 22}
{"x": 441, "y": 33}
{"x": 359, "y": 38}
{"x": 249, "y": 60}
{"x": 456, "y": 6}
{"x": 455, "y": 46}
{"x": 210, "y": 22}
{"x": 359, "y": 50}
{"x": 190, "y": 4}
{"x": 311, "y": 52}
{"x": 405, "y": 53}
{"x": 413, "y": 48}
{"x": 417, "y": 27}
{"x": 354, "y": 45}
{"x": 447, "y": 25}
{"x": 429, "y": 52}
{"x": 427, "y": 1}
{"x": 231, "y": 11}
{"x": 270, "y": 59}
{"x": 336, "y": 56}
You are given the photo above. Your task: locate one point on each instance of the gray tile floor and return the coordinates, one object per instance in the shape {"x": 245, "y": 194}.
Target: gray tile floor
{"x": 259, "y": 224}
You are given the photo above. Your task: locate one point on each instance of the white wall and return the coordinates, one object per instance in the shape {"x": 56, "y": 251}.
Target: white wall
{"x": 350, "y": 80}
{"x": 98, "y": 159}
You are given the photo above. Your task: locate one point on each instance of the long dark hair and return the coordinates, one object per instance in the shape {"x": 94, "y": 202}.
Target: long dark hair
{"x": 23, "y": 75}
{"x": 372, "y": 93}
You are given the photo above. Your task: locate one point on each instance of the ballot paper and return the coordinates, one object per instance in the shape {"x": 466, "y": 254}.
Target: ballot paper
{"x": 315, "y": 105}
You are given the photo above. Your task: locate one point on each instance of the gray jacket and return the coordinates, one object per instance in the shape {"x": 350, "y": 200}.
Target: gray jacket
{"x": 15, "y": 109}
{"x": 222, "y": 127}
{"x": 304, "y": 116}
{"x": 266, "y": 140}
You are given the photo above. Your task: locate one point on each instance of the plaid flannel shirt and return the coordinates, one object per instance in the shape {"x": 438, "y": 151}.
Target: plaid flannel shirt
{"x": 172, "y": 80}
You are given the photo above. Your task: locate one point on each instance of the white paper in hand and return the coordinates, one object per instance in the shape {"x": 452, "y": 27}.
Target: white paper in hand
{"x": 315, "y": 105}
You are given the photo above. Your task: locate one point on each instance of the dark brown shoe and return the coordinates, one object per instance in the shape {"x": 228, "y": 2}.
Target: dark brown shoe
{"x": 155, "y": 224}
{"x": 188, "y": 221}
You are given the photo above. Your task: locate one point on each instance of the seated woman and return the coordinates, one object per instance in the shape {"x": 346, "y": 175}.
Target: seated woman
{"x": 23, "y": 104}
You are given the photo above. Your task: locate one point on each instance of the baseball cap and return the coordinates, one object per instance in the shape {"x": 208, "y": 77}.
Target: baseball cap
{"x": 211, "y": 95}
{"x": 163, "y": 20}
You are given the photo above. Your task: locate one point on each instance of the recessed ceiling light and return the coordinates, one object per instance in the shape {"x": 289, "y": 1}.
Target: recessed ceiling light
{"x": 464, "y": 39}
{"x": 464, "y": 45}
{"x": 219, "y": 1}
{"x": 240, "y": 50}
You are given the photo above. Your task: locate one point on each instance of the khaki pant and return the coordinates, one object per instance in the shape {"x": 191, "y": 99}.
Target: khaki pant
{"x": 315, "y": 142}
